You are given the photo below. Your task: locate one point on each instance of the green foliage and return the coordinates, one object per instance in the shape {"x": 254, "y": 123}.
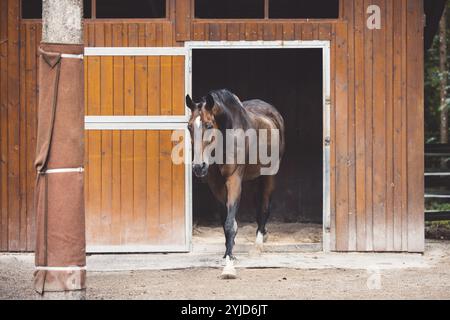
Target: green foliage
{"x": 439, "y": 206}
{"x": 433, "y": 77}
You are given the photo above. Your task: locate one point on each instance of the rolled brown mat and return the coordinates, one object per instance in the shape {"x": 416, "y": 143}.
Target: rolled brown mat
{"x": 59, "y": 196}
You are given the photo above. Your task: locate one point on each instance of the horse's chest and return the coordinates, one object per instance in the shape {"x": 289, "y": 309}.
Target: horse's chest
{"x": 252, "y": 172}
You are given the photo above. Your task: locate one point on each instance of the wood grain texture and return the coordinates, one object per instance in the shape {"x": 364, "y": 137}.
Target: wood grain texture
{"x": 183, "y": 20}
{"x": 377, "y": 120}
{"x": 4, "y": 242}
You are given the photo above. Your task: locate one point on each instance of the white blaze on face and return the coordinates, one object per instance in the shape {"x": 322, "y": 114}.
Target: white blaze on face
{"x": 198, "y": 143}
{"x": 198, "y": 123}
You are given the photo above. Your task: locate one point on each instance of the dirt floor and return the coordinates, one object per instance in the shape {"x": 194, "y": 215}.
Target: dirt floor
{"x": 429, "y": 281}
{"x": 279, "y": 233}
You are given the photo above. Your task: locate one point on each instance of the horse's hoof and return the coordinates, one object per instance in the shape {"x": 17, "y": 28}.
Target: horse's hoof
{"x": 261, "y": 238}
{"x": 229, "y": 271}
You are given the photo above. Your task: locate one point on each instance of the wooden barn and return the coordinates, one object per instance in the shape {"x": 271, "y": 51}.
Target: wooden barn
{"x": 347, "y": 75}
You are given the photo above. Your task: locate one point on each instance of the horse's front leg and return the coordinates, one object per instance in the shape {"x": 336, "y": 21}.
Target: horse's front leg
{"x": 230, "y": 227}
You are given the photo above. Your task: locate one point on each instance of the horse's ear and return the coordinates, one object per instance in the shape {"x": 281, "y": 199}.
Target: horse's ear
{"x": 190, "y": 104}
{"x": 209, "y": 102}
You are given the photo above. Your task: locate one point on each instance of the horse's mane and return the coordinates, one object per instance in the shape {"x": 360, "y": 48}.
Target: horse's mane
{"x": 231, "y": 109}
{"x": 226, "y": 99}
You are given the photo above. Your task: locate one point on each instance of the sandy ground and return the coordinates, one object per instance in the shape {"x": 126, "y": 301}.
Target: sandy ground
{"x": 279, "y": 233}
{"x": 432, "y": 282}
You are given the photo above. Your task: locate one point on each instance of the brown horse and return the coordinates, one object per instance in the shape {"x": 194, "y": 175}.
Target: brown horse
{"x": 223, "y": 112}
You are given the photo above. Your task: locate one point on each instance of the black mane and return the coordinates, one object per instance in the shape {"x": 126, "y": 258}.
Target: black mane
{"x": 233, "y": 114}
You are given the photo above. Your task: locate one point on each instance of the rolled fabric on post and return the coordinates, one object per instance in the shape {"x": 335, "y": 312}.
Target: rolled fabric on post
{"x": 59, "y": 195}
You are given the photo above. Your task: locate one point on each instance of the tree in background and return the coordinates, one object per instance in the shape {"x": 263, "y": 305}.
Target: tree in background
{"x": 437, "y": 102}
{"x": 444, "y": 77}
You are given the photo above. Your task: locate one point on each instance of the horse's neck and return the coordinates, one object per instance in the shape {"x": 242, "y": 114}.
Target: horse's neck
{"x": 241, "y": 120}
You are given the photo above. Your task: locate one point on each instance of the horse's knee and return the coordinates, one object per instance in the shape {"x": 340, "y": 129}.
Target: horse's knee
{"x": 230, "y": 227}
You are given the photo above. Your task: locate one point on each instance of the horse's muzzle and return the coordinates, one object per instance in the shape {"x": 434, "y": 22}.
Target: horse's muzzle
{"x": 200, "y": 170}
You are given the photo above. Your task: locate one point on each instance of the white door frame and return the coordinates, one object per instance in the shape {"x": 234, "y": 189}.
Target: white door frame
{"x": 180, "y": 122}
{"x": 298, "y": 44}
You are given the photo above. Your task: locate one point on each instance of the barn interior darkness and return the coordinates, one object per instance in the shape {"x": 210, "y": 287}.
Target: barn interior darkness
{"x": 106, "y": 9}
{"x": 277, "y": 9}
{"x": 291, "y": 80}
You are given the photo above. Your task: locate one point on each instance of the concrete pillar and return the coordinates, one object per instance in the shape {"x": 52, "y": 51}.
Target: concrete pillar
{"x": 62, "y": 21}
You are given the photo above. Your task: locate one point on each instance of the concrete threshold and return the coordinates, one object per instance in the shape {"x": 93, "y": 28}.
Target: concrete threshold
{"x": 134, "y": 262}
{"x": 253, "y": 258}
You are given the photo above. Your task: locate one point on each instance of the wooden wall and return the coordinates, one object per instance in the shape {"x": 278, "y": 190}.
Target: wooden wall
{"x": 18, "y": 99}
{"x": 377, "y": 112}
{"x": 134, "y": 194}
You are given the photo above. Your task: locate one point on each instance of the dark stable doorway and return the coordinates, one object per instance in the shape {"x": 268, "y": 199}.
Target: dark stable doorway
{"x": 291, "y": 80}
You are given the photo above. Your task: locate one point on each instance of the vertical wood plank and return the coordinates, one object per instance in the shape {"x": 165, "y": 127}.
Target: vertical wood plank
{"x": 183, "y": 20}
{"x": 127, "y": 143}
{"x": 251, "y": 32}
{"x": 168, "y": 35}
{"x": 13, "y": 108}
{"x": 140, "y": 146}
{"x": 397, "y": 134}
{"x": 127, "y": 186}
{"x": 99, "y": 31}
{"x": 153, "y": 152}
{"x": 140, "y": 90}
{"x": 342, "y": 211}
{"x": 214, "y": 32}
{"x": 3, "y": 125}
{"x": 260, "y": 31}
{"x": 368, "y": 101}
{"x": 307, "y": 32}
{"x": 233, "y": 32}
{"x": 360, "y": 129}
{"x": 288, "y": 31}
{"x": 31, "y": 89}
{"x": 324, "y": 31}
{"x": 379, "y": 135}
{"x": 140, "y": 185}
{"x": 404, "y": 145}
{"x": 389, "y": 127}
{"x": 165, "y": 183}
{"x": 298, "y": 33}
{"x": 349, "y": 15}
{"x": 166, "y": 85}
{"x": 118, "y": 109}
{"x": 415, "y": 126}
{"x": 22, "y": 196}
{"x": 129, "y": 85}
{"x": 178, "y": 207}
{"x": 199, "y": 32}
{"x": 153, "y": 186}
{"x": 269, "y": 32}
{"x": 106, "y": 108}
{"x": 278, "y": 31}
{"x": 178, "y": 94}
{"x": 115, "y": 234}
{"x": 333, "y": 232}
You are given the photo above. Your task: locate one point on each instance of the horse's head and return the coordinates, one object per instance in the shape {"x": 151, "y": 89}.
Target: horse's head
{"x": 201, "y": 124}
